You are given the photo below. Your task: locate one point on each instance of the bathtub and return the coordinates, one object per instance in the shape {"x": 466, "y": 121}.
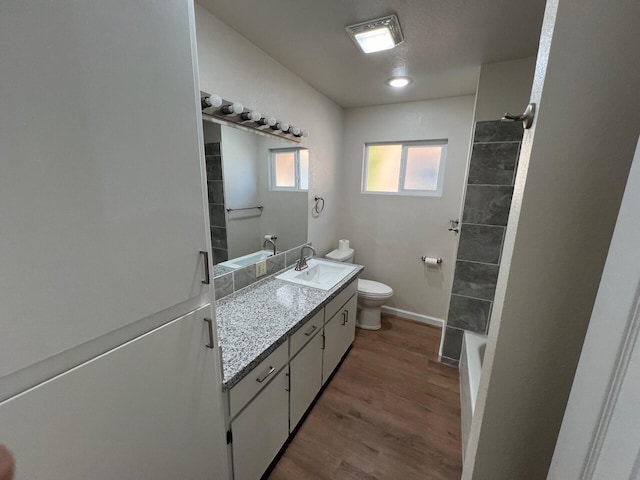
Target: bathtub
{"x": 471, "y": 359}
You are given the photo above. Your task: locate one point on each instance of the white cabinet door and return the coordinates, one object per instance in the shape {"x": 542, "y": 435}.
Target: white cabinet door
{"x": 261, "y": 429}
{"x": 339, "y": 333}
{"x": 306, "y": 379}
{"x": 148, "y": 410}
{"x": 102, "y": 204}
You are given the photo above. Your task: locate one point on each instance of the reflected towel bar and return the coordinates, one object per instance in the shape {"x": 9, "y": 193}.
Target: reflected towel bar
{"x": 259, "y": 207}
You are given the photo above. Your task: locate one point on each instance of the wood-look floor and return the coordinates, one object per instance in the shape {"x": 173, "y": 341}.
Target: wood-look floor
{"x": 390, "y": 412}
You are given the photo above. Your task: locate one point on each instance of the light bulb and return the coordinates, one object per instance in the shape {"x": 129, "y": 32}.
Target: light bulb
{"x": 212, "y": 101}
{"x": 255, "y": 116}
{"x": 236, "y": 108}
{"x": 271, "y": 121}
{"x": 296, "y": 131}
{"x": 284, "y": 127}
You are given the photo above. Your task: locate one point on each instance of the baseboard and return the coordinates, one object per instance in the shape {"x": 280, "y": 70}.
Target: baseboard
{"x": 416, "y": 317}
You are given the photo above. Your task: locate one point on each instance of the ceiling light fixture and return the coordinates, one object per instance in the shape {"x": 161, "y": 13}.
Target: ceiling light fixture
{"x": 398, "y": 82}
{"x": 376, "y": 35}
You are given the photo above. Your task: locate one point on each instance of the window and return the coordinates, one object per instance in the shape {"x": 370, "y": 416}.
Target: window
{"x": 289, "y": 169}
{"x": 409, "y": 168}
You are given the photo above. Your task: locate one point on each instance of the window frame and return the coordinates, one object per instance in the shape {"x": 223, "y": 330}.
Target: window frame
{"x": 442, "y": 143}
{"x": 296, "y": 161}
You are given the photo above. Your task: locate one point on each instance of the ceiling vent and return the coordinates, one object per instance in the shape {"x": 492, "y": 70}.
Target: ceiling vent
{"x": 376, "y": 35}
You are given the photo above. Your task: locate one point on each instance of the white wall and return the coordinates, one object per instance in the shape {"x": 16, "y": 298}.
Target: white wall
{"x": 391, "y": 233}
{"x": 236, "y": 69}
{"x": 572, "y": 172}
{"x": 504, "y": 87}
{"x": 240, "y": 172}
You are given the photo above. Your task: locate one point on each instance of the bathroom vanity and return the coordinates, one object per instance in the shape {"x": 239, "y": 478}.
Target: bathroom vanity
{"x": 280, "y": 344}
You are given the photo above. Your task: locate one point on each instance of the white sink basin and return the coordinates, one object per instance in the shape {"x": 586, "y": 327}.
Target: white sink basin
{"x": 319, "y": 274}
{"x": 247, "y": 260}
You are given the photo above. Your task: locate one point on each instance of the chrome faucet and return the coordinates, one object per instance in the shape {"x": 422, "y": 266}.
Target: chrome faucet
{"x": 273, "y": 244}
{"x": 302, "y": 263}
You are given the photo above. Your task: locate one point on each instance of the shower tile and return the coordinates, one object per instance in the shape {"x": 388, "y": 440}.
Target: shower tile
{"x": 216, "y": 215}
{"x": 477, "y": 280}
{"x": 497, "y": 131}
{"x": 214, "y": 167}
{"x": 220, "y": 255}
{"x": 219, "y": 237}
{"x": 480, "y": 243}
{"x": 452, "y": 345}
{"x": 469, "y": 313}
{"x": 212, "y": 148}
{"x": 275, "y": 263}
{"x": 493, "y": 163}
{"x": 487, "y": 205}
{"x": 244, "y": 277}
{"x": 449, "y": 361}
{"x": 215, "y": 191}
{"x": 223, "y": 285}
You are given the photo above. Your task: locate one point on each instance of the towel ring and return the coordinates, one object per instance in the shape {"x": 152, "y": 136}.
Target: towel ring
{"x": 319, "y": 206}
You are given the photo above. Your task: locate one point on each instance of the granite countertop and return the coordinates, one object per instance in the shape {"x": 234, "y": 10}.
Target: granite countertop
{"x": 256, "y": 320}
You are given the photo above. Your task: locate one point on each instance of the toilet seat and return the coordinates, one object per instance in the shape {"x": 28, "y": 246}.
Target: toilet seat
{"x": 372, "y": 289}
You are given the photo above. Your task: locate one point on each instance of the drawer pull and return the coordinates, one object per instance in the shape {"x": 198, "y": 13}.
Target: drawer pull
{"x": 345, "y": 317}
{"x": 311, "y": 330}
{"x": 265, "y": 375}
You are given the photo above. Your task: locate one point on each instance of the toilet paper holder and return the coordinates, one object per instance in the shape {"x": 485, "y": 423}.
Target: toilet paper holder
{"x": 426, "y": 259}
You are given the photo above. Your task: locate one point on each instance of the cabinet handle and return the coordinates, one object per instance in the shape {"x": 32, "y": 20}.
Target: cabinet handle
{"x": 207, "y": 278}
{"x": 344, "y": 317}
{"x": 266, "y": 374}
{"x": 210, "y": 323}
{"x": 310, "y": 331}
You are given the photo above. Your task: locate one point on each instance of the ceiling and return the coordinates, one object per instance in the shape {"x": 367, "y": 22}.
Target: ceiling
{"x": 445, "y": 42}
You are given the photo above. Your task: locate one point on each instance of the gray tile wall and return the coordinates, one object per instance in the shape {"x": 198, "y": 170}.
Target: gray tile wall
{"x": 215, "y": 191}
{"x": 233, "y": 281}
{"x": 494, "y": 158}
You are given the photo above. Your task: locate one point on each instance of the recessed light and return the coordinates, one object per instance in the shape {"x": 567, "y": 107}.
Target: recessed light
{"x": 376, "y": 35}
{"x": 399, "y": 82}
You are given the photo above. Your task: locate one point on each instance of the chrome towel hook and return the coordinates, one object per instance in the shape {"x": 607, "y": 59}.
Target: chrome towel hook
{"x": 526, "y": 118}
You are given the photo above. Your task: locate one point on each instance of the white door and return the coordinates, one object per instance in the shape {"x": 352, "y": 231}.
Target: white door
{"x": 102, "y": 212}
{"x": 148, "y": 410}
{"x": 339, "y": 333}
{"x": 600, "y": 434}
{"x": 261, "y": 429}
{"x": 306, "y": 379}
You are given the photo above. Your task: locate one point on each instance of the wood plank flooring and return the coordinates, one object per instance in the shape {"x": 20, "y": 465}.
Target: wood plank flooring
{"x": 391, "y": 411}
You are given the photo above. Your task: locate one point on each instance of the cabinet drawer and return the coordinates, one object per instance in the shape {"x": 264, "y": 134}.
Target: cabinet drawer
{"x": 258, "y": 378}
{"x": 336, "y": 304}
{"x": 306, "y": 333}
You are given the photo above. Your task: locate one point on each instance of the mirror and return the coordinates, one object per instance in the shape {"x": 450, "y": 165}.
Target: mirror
{"x": 257, "y": 186}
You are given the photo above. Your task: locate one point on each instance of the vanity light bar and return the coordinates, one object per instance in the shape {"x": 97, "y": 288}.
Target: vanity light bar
{"x": 234, "y": 112}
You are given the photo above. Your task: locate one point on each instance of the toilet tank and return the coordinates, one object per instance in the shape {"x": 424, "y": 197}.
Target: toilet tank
{"x": 345, "y": 256}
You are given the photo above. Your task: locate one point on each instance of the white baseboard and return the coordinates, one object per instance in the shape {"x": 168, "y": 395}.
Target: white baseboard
{"x": 416, "y": 317}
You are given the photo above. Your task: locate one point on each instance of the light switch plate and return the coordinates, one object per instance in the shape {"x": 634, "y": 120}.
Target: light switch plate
{"x": 261, "y": 268}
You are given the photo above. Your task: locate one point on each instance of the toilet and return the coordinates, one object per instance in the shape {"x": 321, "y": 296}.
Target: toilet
{"x": 371, "y": 295}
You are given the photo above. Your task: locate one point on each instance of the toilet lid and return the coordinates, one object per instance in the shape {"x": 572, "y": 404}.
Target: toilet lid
{"x": 374, "y": 289}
